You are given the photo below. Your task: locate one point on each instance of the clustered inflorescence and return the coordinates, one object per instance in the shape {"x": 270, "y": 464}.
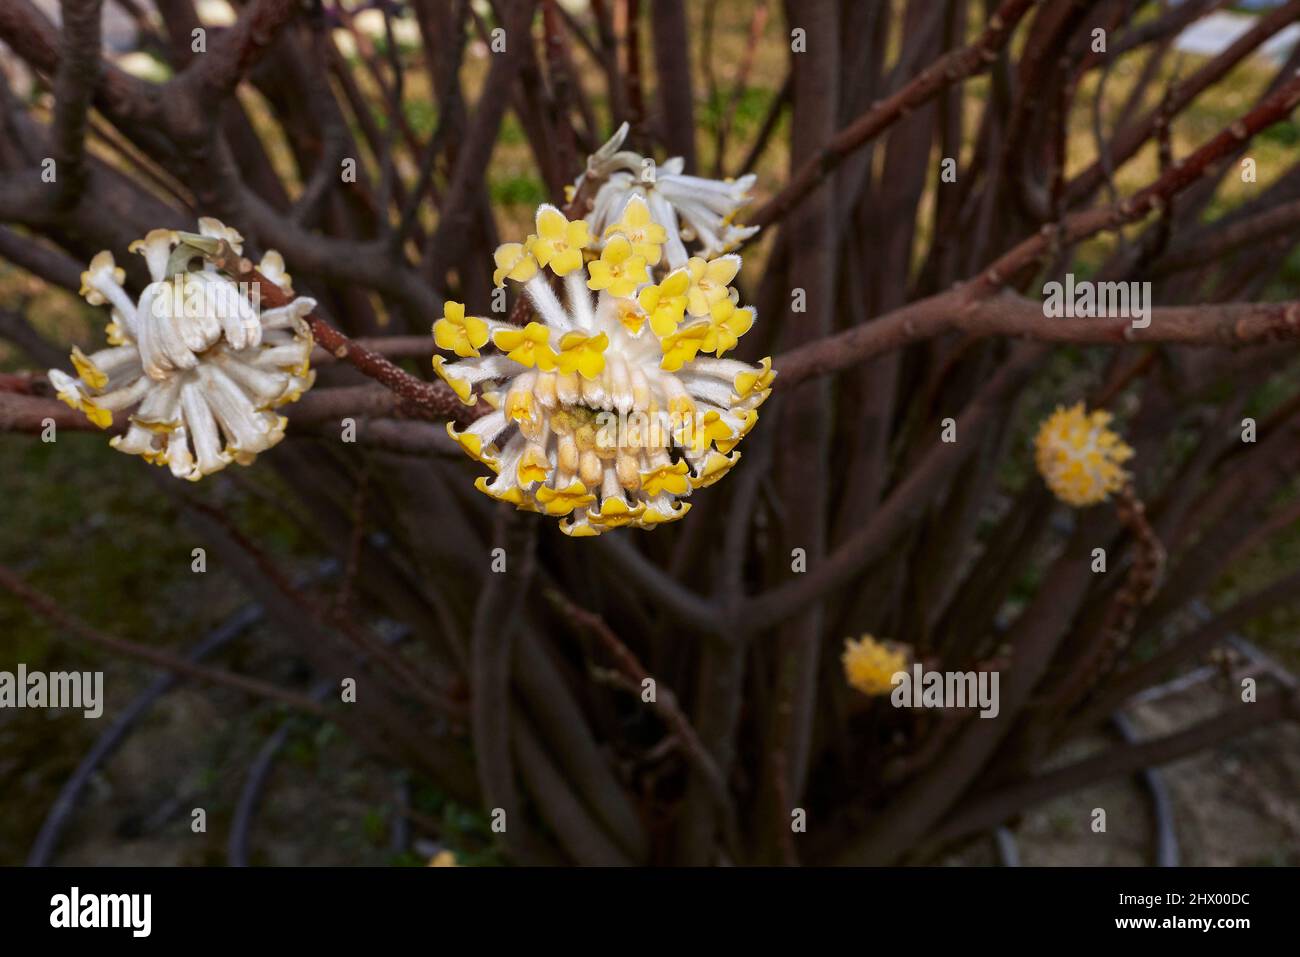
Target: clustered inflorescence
{"x": 617, "y": 401}
{"x": 870, "y": 665}
{"x": 1079, "y": 457}
{"x": 608, "y": 409}
{"x": 201, "y": 366}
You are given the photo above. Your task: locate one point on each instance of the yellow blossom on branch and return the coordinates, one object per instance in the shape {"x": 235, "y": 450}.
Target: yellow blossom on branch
{"x": 618, "y": 270}
{"x": 514, "y": 261}
{"x": 529, "y": 346}
{"x": 709, "y": 282}
{"x": 665, "y": 303}
{"x": 870, "y": 665}
{"x": 646, "y": 236}
{"x": 593, "y": 420}
{"x": 458, "y": 333}
{"x": 558, "y": 243}
{"x": 1079, "y": 457}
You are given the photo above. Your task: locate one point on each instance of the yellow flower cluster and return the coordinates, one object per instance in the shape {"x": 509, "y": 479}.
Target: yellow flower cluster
{"x": 608, "y": 408}
{"x": 870, "y": 665}
{"x": 1079, "y": 457}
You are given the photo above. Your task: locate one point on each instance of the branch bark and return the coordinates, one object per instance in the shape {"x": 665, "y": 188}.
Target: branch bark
{"x": 948, "y": 69}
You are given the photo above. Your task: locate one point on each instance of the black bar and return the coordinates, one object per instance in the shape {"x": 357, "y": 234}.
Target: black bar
{"x": 863, "y": 907}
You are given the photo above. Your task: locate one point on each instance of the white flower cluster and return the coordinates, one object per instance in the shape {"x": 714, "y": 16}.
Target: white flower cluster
{"x": 200, "y": 364}
{"x": 697, "y": 214}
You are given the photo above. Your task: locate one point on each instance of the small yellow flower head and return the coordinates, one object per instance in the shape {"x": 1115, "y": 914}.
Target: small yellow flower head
{"x": 712, "y": 428}
{"x": 562, "y": 501}
{"x": 754, "y": 382}
{"x": 558, "y": 243}
{"x": 448, "y": 373}
{"x": 666, "y": 477}
{"x": 870, "y": 665}
{"x": 594, "y": 420}
{"x": 514, "y": 261}
{"x": 582, "y": 354}
{"x": 665, "y": 303}
{"x": 472, "y": 443}
{"x": 618, "y": 270}
{"x": 87, "y": 371}
{"x": 458, "y": 333}
{"x": 529, "y": 346}
{"x": 726, "y": 325}
{"x": 709, "y": 282}
{"x": 646, "y": 236}
{"x": 443, "y": 859}
{"x": 683, "y": 345}
{"x": 1080, "y": 459}
{"x": 631, "y": 315}
{"x": 716, "y": 465}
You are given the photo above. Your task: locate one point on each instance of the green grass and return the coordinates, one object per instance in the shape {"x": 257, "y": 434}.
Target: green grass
{"x": 520, "y": 189}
